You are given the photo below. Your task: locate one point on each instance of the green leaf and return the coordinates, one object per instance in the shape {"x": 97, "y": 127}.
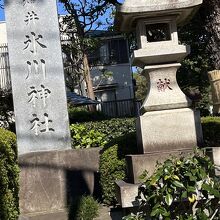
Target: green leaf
{"x": 168, "y": 199}
{"x": 184, "y": 195}
{"x": 166, "y": 177}
{"x": 191, "y": 189}
{"x": 178, "y": 184}
{"x": 206, "y": 187}
{"x": 155, "y": 212}
{"x": 215, "y": 192}
{"x": 175, "y": 177}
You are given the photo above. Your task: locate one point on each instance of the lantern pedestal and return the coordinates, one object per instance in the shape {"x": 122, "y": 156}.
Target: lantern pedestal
{"x": 168, "y": 130}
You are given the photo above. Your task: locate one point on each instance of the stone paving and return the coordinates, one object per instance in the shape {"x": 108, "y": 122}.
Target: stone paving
{"x": 105, "y": 214}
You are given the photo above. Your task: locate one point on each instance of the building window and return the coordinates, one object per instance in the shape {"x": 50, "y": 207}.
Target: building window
{"x": 111, "y": 51}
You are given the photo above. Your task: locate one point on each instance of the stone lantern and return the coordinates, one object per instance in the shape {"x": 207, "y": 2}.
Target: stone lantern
{"x": 168, "y": 124}
{"x": 214, "y": 79}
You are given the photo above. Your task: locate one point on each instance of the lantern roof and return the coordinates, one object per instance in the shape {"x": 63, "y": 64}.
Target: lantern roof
{"x": 131, "y": 10}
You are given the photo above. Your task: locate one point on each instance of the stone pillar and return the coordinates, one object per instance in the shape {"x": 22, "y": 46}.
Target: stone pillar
{"x": 214, "y": 78}
{"x": 37, "y": 75}
{"x": 40, "y": 105}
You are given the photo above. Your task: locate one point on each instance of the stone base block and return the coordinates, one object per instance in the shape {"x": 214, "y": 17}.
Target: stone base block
{"x": 51, "y": 181}
{"x": 137, "y": 164}
{"x": 126, "y": 194}
{"x": 214, "y": 154}
{"x": 168, "y": 130}
{"x": 59, "y": 215}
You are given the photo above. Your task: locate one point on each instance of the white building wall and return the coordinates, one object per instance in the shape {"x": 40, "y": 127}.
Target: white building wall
{"x": 3, "y": 35}
{"x": 5, "y": 79}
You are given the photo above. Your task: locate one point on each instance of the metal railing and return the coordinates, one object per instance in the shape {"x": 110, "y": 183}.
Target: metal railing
{"x": 5, "y": 79}
{"x": 120, "y": 108}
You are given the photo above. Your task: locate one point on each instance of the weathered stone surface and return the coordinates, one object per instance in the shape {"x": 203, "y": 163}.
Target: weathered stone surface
{"x": 168, "y": 130}
{"x": 132, "y": 10}
{"x": 171, "y": 37}
{"x": 59, "y": 215}
{"x": 163, "y": 92}
{"x": 50, "y": 181}
{"x": 137, "y": 164}
{"x": 126, "y": 194}
{"x": 37, "y": 75}
{"x": 167, "y": 54}
{"x": 214, "y": 78}
{"x": 129, "y": 6}
{"x": 108, "y": 213}
{"x": 214, "y": 154}
{"x": 105, "y": 213}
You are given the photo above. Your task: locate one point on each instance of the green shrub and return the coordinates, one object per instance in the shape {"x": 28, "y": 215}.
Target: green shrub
{"x": 113, "y": 166}
{"x": 83, "y": 138}
{"x": 88, "y": 208}
{"x": 99, "y": 133}
{"x": 180, "y": 189}
{"x": 9, "y": 206}
{"x": 112, "y": 128}
{"x": 111, "y": 169}
{"x": 211, "y": 131}
{"x": 81, "y": 114}
{"x": 6, "y": 109}
{"x": 84, "y": 208}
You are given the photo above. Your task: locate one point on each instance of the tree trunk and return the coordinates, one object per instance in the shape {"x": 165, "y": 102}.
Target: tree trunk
{"x": 88, "y": 80}
{"x": 212, "y": 12}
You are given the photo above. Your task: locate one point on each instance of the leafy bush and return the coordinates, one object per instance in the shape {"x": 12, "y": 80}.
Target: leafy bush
{"x": 211, "y": 131}
{"x": 88, "y": 208}
{"x": 111, "y": 169}
{"x": 84, "y": 138}
{"x": 113, "y": 166}
{"x": 99, "y": 133}
{"x": 112, "y": 128}
{"x": 180, "y": 189}
{"x": 85, "y": 208}
{"x": 81, "y": 114}
{"x": 6, "y": 110}
{"x": 9, "y": 206}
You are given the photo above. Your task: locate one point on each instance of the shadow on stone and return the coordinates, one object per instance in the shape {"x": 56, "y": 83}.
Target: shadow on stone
{"x": 53, "y": 181}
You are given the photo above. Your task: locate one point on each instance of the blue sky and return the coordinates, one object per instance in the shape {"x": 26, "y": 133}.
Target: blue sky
{"x": 2, "y": 17}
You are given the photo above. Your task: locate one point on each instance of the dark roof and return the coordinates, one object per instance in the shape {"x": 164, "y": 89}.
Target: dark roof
{"x": 78, "y": 100}
{"x": 103, "y": 33}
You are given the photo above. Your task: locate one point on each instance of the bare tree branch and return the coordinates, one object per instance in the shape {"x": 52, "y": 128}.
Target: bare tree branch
{"x": 84, "y": 15}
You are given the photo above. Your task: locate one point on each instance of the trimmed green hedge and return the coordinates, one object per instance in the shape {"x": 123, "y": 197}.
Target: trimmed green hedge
{"x": 113, "y": 128}
{"x": 84, "y": 138}
{"x": 113, "y": 166}
{"x": 211, "y": 131}
{"x": 9, "y": 171}
{"x": 81, "y": 114}
{"x": 100, "y": 133}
